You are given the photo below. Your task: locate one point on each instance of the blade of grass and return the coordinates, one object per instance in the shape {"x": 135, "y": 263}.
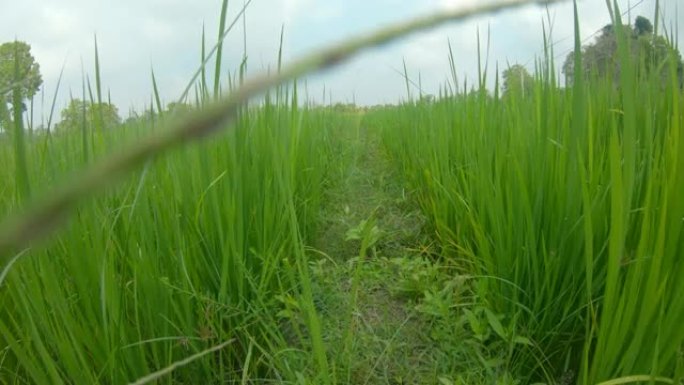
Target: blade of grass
{"x": 219, "y": 51}
{"x": 21, "y": 158}
{"x": 169, "y": 369}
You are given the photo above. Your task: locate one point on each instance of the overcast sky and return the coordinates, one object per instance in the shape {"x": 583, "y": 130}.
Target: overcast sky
{"x": 137, "y": 35}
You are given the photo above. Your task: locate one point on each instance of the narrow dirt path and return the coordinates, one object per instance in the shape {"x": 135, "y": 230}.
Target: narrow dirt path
{"x": 367, "y": 304}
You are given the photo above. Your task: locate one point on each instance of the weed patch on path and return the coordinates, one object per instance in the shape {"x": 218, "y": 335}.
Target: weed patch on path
{"x": 390, "y": 311}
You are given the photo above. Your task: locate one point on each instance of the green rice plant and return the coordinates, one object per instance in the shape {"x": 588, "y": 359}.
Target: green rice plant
{"x": 638, "y": 331}
{"x": 561, "y": 204}
{"x": 21, "y": 162}
{"x": 185, "y": 256}
{"x": 151, "y": 273}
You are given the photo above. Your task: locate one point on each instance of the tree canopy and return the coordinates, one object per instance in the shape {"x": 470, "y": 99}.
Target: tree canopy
{"x": 651, "y": 53}
{"x": 29, "y": 78}
{"x": 517, "y": 80}
{"x": 80, "y": 112}
{"x": 642, "y": 26}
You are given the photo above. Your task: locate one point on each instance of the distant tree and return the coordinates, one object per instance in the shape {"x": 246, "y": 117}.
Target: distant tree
{"x": 651, "y": 53}
{"x": 150, "y": 116}
{"x": 517, "y": 81}
{"x": 27, "y": 83}
{"x": 344, "y": 107}
{"x": 178, "y": 108}
{"x": 135, "y": 118}
{"x": 429, "y": 98}
{"x": 78, "y": 113}
{"x": 642, "y": 26}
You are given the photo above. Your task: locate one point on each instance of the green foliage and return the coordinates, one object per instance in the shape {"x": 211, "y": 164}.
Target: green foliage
{"x": 642, "y": 26}
{"x": 517, "y": 80}
{"x": 557, "y": 217}
{"x": 186, "y": 255}
{"x": 566, "y": 205}
{"x": 81, "y": 114}
{"x": 179, "y": 108}
{"x": 366, "y": 232}
{"x": 153, "y": 117}
{"x": 28, "y": 82}
{"x": 653, "y": 54}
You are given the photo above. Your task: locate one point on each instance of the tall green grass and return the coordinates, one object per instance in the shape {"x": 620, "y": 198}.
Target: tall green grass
{"x": 561, "y": 205}
{"x": 184, "y": 255}
{"x": 565, "y": 207}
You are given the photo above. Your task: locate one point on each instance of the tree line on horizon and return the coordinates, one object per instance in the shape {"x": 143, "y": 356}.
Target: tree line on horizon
{"x": 651, "y": 52}
{"x": 20, "y": 77}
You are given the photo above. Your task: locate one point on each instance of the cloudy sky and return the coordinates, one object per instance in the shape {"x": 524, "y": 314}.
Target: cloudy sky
{"x": 135, "y": 36}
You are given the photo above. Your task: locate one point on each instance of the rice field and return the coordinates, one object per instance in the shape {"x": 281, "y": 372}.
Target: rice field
{"x": 470, "y": 238}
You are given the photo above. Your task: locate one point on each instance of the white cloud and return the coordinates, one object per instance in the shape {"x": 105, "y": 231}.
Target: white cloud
{"x": 293, "y": 9}
{"x": 58, "y": 23}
